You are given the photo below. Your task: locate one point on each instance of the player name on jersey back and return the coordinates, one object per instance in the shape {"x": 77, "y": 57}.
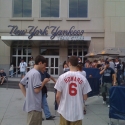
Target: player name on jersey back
{"x": 73, "y": 79}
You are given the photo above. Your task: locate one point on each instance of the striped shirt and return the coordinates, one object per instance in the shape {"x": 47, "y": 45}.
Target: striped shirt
{"x": 33, "y": 100}
{"x": 73, "y": 86}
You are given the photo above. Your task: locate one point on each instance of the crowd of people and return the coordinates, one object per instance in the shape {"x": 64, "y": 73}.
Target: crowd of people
{"x": 114, "y": 63}
{"x": 72, "y": 85}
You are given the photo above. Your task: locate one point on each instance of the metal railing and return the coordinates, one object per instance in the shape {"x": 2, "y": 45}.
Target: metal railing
{"x": 10, "y": 76}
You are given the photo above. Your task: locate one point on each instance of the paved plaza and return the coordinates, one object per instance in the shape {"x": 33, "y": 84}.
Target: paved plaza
{"x": 12, "y": 100}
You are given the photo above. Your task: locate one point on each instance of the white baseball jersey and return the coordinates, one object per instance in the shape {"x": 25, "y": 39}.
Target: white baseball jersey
{"x": 73, "y": 86}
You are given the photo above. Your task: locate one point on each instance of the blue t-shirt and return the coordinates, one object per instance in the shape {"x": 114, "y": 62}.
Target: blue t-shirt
{"x": 107, "y": 75}
{"x": 43, "y": 76}
{"x": 2, "y": 74}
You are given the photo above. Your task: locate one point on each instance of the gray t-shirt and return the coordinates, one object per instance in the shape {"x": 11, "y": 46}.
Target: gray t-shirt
{"x": 33, "y": 100}
{"x": 112, "y": 65}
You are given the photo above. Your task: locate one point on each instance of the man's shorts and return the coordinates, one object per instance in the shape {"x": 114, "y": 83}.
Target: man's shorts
{"x": 34, "y": 118}
{"x": 22, "y": 73}
{"x": 63, "y": 121}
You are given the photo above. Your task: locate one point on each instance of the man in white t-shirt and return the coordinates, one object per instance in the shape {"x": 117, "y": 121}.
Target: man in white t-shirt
{"x": 31, "y": 63}
{"x": 72, "y": 89}
{"x": 23, "y": 68}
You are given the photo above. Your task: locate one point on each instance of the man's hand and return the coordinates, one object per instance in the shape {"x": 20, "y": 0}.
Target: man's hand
{"x": 46, "y": 80}
{"x": 105, "y": 67}
{"x": 23, "y": 89}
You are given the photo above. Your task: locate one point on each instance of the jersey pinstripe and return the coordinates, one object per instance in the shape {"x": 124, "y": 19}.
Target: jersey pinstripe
{"x": 73, "y": 86}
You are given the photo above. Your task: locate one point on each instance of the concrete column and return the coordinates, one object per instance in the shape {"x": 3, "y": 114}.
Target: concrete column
{"x": 4, "y": 57}
{"x": 63, "y": 56}
{"x": 35, "y": 51}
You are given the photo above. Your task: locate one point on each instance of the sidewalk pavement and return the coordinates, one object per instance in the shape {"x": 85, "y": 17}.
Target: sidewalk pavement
{"x": 12, "y": 100}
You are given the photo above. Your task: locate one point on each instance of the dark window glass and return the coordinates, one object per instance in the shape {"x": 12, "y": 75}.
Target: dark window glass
{"x": 47, "y": 62}
{"x": 52, "y": 62}
{"x": 56, "y": 62}
{"x": 49, "y": 52}
{"x": 75, "y": 52}
{"x": 19, "y": 60}
{"x": 69, "y": 52}
{"x": 19, "y": 51}
{"x": 54, "y": 8}
{"x": 56, "y": 71}
{"x": 22, "y": 8}
{"x": 24, "y": 51}
{"x": 29, "y": 51}
{"x": 52, "y": 71}
{"x": 14, "y": 61}
{"x": 49, "y": 8}
{"x": 14, "y": 51}
{"x": 78, "y": 8}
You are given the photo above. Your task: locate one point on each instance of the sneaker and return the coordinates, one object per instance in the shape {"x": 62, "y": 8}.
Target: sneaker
{"x": 50, "y": 118}
{"x": 108, "y": 106}
{"x": 104, "y": 102}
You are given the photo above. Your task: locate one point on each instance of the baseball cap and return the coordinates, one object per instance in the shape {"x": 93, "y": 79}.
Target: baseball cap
{"x": 106, "y": 62}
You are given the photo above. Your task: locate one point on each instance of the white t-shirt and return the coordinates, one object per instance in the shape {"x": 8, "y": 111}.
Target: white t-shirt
{"x": 73, "y": 86}
{"x": 83, "y": 73}
{"x": 23, "y": 66}
{"x": 11, "y": 68}
{"x": 31, "y": 63}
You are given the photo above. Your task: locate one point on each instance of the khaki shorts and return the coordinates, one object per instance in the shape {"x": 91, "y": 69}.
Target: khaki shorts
{"x": 34, "y": 118}
{"x": 63, "y": 121}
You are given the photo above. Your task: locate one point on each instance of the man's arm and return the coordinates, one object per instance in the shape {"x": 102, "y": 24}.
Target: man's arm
{"x": 114, "y": 79}
{"x": 85, "y": 97}
{"x": 101, "y": 72}
{"x": 53, "y": 79}
{"x": 37, "y": 90}
{"x": 58, "y": 96}
{"x": 22, "y": 87}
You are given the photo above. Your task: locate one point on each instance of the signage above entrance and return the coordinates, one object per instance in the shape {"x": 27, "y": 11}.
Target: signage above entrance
{"x": 32, "y": 31}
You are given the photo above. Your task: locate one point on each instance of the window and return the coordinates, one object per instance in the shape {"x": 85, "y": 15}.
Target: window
{"x": 49, "y": 51}
{"x": 19, "y": 51}
{"x": 78, "y": 8}
{"x": 49, "y": 8}
{"x": 22, "y": 8}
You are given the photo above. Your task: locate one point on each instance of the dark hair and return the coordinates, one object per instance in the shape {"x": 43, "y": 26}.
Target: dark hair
{"x": 64, "y": 63}
{"x": 80, "y": 66}
{"x": 40, "y": 58}
{"x": 73, "y": 60}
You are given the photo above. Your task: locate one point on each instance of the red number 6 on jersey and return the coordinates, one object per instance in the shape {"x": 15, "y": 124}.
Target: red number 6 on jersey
{"x": 72, "y": 89}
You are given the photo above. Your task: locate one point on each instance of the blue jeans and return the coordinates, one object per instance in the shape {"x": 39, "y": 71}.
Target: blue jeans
{"x": 11, "y": 73}
{"x": 45, "y": 106}
{"x": 119, "y": 77}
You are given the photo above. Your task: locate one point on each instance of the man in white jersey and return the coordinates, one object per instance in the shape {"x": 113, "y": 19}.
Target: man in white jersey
{"x": 31, "y": 87}
{"x": 72, "y": 89}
